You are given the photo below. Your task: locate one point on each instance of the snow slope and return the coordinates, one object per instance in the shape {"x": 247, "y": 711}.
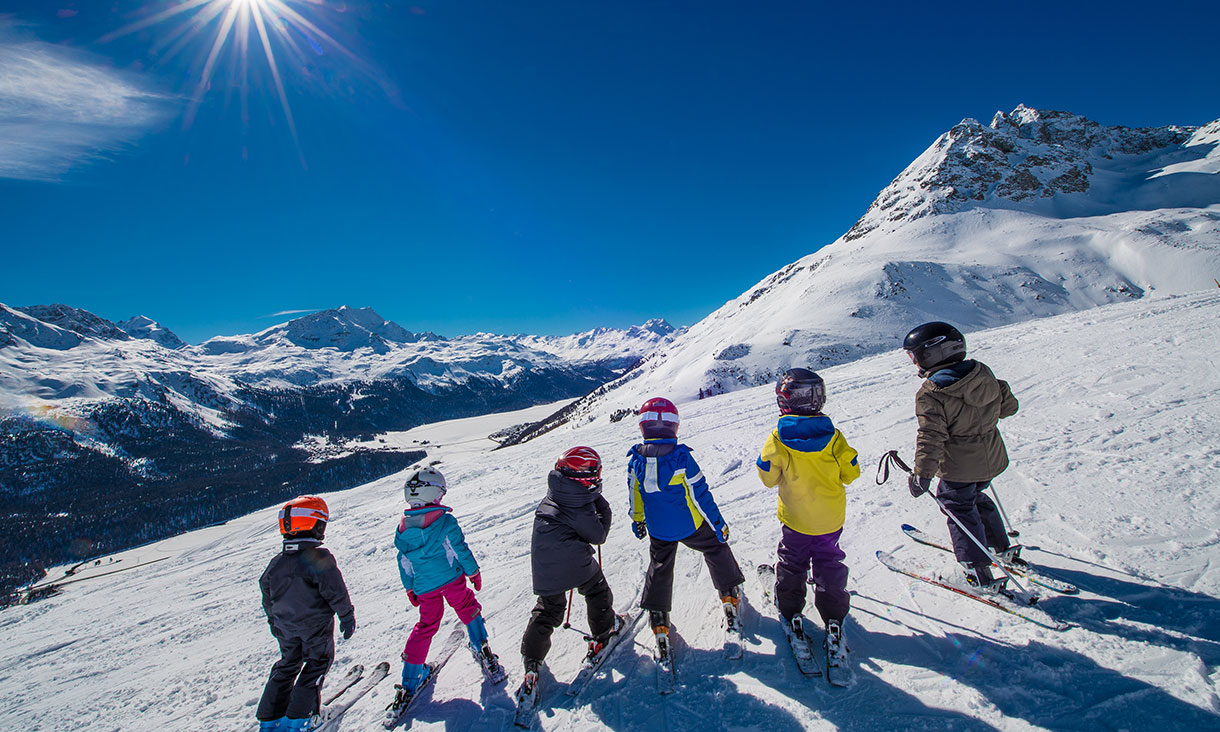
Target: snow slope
{"x": 1036, "y": 214}
{"x": 1113, "y": 485}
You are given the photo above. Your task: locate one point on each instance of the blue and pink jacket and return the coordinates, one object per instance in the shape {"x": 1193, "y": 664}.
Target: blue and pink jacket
{"x": 432, "y": 550}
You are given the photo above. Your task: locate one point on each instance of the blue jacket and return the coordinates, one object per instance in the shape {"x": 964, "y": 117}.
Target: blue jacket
{"x": 668, "y": 490}
{"x": 432, "y": 550}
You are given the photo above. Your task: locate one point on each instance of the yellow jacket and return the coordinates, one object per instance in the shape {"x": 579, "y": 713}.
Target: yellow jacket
{"x": 812, "y": 464}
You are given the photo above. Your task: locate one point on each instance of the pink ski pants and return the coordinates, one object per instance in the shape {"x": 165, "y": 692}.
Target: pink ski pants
{"x": 432, "y": 609}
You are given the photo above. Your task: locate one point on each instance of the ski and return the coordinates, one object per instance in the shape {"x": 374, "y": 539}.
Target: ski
{"x": 352, "y": 676}
{"x": 999, "y": 602}
{"x": 398, "y": 709}
{"x": 798, "y": 643}
{"x": 588, "y": 669}
{"x": 327, "y": 720}
{"x": 734, "y": 647}
{"x": 527, "y": 704}
{"x": 838, "y": 669}
{"x": 1021, "y": 569}
{"x": 667, "y": 676}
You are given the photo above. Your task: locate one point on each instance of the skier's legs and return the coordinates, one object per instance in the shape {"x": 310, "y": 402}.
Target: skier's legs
{"x": 959, "y": 499}
{"x": 431, "y": 609}
{"x": 721, "y": 564}
{"x": 829, "y": 577}
{"x": 546, "y": 616}
{"x": 993, "y": 523}
{"x": 274, "y": 702}
{"x": 599, "y": 605}
{"x": 461, "y": 598}
{"x": 319, "y": 651}
{"x": 659, "y": 582}
{"x": 791, "y": 572}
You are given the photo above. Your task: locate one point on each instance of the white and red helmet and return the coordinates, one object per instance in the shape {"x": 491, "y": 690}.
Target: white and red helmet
{"x": 581, "y": 464}
{"x": 425, "y": 487}
{"x": 304, "y": 515}
{"x": 658, "y": 419}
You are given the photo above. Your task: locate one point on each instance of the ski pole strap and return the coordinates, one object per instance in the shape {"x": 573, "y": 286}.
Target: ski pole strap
{"x": 888, "y": 459}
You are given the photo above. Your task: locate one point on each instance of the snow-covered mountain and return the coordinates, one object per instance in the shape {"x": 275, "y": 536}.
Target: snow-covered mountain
{"x": 1037, "y": 214}
{"x": 1112, "y": 485}
{"x": 86, "y": 403}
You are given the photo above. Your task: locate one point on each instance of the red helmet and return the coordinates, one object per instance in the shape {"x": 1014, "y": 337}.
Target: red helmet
{"x": 304, "y": 514}
{"x": 582, "y": 464}
{"x": 658, "y": 419}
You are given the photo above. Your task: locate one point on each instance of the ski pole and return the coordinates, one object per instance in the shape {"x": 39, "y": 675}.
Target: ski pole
{"x": 1008, "y": 524}
{"x": 892, "y": 457}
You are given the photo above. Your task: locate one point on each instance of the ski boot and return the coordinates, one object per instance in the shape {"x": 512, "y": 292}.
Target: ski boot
{"x": 981, "y": 578}
{"x": 836, "y": 648}
{"x": 796, "y": 628}
{"x": 527, "y": 693}
{"x": 481, "y": 650}
{"x": 660, "y": 630}
{"x": 1012, "y": 556}
{"x": 598, "y": 643}
{"x": 297, "y": 725}
{"x": 271, "y": 725}
{"x": 731, "y": 602}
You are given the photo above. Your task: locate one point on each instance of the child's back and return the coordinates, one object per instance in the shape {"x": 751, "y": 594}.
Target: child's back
{"x": 811, "y": 463}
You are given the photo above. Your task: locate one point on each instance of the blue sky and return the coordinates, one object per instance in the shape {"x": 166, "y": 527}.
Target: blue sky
{"x": 543, "y": 167}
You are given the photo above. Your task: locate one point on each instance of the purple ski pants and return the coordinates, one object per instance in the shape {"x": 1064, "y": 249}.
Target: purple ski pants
{"x": 432, "y": 609}
{"x": 820, "y": 553}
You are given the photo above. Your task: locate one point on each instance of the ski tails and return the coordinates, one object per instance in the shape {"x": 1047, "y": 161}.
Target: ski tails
{"x": 328, "y": 718}
{"x": 351, "y": 677}
{"x": 1033, "y": 615}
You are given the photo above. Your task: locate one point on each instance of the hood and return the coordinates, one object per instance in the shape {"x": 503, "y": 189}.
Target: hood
{"x": 565, "y": 491}
{"x": 805, "y": 433}
{"x": 656, "y": 447}
{"x": 970, "y": 381}
{"x": 415, "y": 520}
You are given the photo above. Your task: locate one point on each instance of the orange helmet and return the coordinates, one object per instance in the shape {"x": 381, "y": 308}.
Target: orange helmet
{"x": 302, "y": 514}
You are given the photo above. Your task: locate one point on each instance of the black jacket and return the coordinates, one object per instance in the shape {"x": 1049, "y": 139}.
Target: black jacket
{"x": 567, "y": 521}
{"x": 303, "y": 591}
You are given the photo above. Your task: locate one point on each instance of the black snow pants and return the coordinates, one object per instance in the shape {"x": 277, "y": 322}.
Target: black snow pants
{"x": 659, "y": 582}
{"x": 547, "y": 615}
{"x": 978, "y": 513}
{"x": 295, "y": 687}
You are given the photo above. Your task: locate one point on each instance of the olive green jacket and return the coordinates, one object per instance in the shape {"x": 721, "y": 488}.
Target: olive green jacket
{"x": 958, "y": 408}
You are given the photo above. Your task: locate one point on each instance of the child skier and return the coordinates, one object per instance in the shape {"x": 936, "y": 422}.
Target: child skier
{"x": 434, "y": 564}
{"x": 671, "y": 504}
{"x": 811, "y": 463}
{"x": 573, "y": 516}
{"x": 302, "y": 592}
{"x": 958, "y": 407}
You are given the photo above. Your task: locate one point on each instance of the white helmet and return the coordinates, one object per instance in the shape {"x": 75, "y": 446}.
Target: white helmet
{"x": 425, "y": 486}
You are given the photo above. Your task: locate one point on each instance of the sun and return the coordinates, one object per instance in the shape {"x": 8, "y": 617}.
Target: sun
{"x": 276, "y": 28}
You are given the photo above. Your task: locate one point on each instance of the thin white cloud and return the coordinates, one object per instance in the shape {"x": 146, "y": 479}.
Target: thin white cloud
{"x": 59, "y": 108}
{"x": 289, "y": 312}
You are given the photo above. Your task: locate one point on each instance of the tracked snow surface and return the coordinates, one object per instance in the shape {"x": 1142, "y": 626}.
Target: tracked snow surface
{"x": 1113, "y": 485}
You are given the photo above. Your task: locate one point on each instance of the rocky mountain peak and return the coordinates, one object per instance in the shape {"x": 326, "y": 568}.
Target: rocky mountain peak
{"x": 81, "y": 322}
{"x": 146, "y": 328}
{"x": 1027, "y": 159}
{"x": 343, "y": 328}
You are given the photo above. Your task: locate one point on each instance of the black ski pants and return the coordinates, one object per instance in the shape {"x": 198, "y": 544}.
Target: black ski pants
{"x": 547, "y": 615}
{"x": 978, "y": 513}
{"x": 659, "y": 582}
{"x": 295, "y": 687}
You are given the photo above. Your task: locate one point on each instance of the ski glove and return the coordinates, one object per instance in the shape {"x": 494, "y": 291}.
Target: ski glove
{"x": 476, "y": 581}
{"x": 639, "y": 529}
{"x": 347, "y": 626}
{"x": 918, "y": 485}
{"x": 413, "y": 598}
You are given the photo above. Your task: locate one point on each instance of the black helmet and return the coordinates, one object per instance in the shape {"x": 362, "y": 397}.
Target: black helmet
{"x": 935, "y": 344}
{"x": 800, "y": 391}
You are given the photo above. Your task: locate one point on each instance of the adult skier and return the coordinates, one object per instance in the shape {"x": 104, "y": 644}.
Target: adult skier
{"x": 303, "y": 591}
{"x": 958, "y": 408}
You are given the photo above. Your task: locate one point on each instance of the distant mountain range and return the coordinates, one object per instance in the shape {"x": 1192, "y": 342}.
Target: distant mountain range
{"x": 1036, "y": 214}
{"x": 113, "y": 433}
